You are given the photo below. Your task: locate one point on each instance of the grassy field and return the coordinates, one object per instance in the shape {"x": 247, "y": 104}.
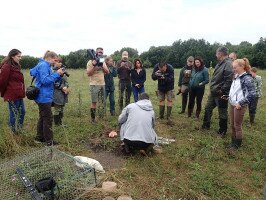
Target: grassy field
{"x": 196, "y": 166}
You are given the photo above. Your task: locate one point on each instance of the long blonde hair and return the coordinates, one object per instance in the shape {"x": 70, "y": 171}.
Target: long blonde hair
{"x": 244, "y": 62}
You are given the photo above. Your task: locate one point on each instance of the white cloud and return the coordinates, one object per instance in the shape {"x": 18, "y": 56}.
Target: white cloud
{"x": 64, "y": 26}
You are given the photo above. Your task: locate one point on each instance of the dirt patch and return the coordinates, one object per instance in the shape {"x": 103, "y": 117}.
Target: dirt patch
{"x": 109, "y": 160}
{"x": 107, "y": 151}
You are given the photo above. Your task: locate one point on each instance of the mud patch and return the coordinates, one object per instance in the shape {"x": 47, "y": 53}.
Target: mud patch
{"x": 109, "y": 160}
{"x": 107, "y": 151}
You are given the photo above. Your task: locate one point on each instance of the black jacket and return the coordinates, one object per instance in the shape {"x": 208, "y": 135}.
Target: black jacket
{"x": 166, "y": 84}
{"x": 138, "y": 78}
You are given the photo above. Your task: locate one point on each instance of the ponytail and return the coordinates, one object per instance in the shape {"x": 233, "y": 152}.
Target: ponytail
{"x": 49, "y": 54}
{"x": 247, "y": 66}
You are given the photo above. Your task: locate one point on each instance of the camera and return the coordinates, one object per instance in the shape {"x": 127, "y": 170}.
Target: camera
{"x": 63, "y": 67}
{"x": 93, "y": 56}
{"x": 159, "y": 74}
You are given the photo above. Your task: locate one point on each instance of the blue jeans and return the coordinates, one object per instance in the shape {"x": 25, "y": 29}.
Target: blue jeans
{"x": 16, "y": 114}
{"x": 136, "y": 91}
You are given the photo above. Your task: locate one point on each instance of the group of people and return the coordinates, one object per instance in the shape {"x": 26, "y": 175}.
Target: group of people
{"x": 131, "y": 79}
{"x": 233, "y": 82}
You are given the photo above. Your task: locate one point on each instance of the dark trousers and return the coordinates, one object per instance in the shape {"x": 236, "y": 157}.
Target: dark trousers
{"x": 124, "y": 87}
{"x": 252, "y": 107}
{"x": 184, "y": 101}
{"x": 16, "y": 114}
{"x": 195, "y": 93}
{"x": 44, "y": 126}
{"x": 111, "y": 95}
{"x": 136, "y": 91}
{"x": 222, "y": 105}
{"x": 136, "y": 145}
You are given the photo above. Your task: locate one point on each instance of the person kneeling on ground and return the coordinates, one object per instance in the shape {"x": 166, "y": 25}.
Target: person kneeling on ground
{"x": 137, "y": 125}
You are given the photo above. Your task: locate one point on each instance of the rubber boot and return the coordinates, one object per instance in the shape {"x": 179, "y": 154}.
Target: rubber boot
{"x": 233, "y": 143}
{"x": 60, "y": 118}
{"x": 238, "y": 143}
{"x": 251, "y": 118}
{"x": 57, "y": 120}
{"x": 93, "y": 111}
{"x": 169, "y": 111}
{"x": 161, "y": 115}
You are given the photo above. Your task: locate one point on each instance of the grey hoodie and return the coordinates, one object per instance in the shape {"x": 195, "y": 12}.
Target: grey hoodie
{"x": 137, "y": 122}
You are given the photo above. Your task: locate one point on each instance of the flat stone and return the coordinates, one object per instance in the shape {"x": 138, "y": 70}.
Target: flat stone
{"x": 109, "y": 186}
{"x": 124, "y": 197}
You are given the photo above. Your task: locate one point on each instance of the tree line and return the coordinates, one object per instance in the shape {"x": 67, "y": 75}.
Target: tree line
{"x": 176, "y": 54}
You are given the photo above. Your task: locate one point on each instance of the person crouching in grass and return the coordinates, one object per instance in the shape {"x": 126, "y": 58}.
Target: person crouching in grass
{"x": 242, "y": 92}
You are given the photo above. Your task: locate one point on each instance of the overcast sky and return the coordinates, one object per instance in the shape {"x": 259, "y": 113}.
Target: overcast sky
{"x": 34, "y": 26}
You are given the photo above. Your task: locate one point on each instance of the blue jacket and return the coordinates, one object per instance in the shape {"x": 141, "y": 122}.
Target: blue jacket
{"x": 248, "y": 88}
{"x": 44, "y": 80}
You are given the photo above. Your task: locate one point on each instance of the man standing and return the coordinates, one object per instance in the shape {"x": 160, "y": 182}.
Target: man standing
{"x": 164, "y": 73}
{"x": 183, "y": 82}
{"x": 219, "y": 88}
{"x": 124, "y": 67}
{"x": 233, "y": 56}
{"x": 96, "y": 71}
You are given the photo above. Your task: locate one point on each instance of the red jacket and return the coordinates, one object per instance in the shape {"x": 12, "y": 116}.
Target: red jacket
{"x": 12, "y": 86}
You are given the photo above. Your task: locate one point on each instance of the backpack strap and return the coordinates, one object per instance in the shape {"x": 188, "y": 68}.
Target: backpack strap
{"x": 32, "y": 80}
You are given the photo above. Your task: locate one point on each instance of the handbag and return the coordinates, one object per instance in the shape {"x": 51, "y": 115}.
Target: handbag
{"x": 32, "y": 91}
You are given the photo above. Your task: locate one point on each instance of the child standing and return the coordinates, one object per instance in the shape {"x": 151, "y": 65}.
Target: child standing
{"x": 61, "y": 91}
{"x": 253, "y": 104}
{"x": 242, "y": 92}
{"x": 109, "y": 83}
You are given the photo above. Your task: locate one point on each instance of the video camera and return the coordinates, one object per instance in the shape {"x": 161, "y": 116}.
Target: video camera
{"x": 93, "y": 56}
{"x": 63, "y": 67}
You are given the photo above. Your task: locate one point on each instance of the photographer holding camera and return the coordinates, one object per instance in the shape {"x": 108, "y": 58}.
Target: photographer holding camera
{"x": 61, "y": 91}
{"x": 164, "y": 73}
{"x": 45, "y": 80}
{"x": 124, "y": 67}
{"x": 96, "y": 68}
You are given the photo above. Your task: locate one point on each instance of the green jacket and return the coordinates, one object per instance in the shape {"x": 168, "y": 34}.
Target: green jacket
{"x": 199, "y": 78}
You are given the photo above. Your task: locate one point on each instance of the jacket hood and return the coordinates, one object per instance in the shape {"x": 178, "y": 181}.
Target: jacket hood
{"x": 145, "y": 104}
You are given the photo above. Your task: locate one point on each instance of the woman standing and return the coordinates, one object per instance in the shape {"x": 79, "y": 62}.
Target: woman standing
{"x": 138, "y": 77}
{"x": 242, "y": 92}
{"x": 45, "y": 79}
{"x": 199, "y": 78}
{"x": 13, "y": 88}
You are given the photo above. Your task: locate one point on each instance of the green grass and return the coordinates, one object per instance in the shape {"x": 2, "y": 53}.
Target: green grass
{"x": 196, "y": 166}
